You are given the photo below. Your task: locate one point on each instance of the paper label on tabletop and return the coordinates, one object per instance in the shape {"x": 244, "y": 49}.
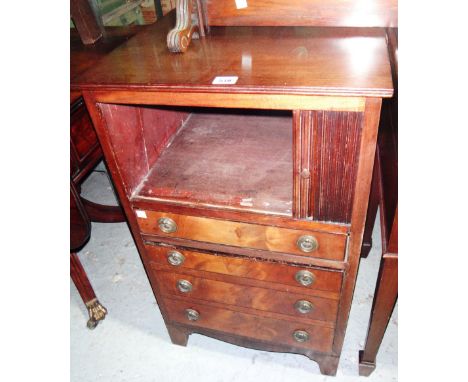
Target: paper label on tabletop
{"x": 241, "y": 4}
{"x": 225, "y": 80}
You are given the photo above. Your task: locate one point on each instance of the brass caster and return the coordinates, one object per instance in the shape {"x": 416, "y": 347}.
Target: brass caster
{"x": 96, "y": 313}
{"x": 91, "y": 324}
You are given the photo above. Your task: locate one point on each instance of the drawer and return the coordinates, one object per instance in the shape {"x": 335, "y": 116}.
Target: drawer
{"x": 317, "y": 337}
{"x": 259, "y": 298}
{"x": 278, "y": 273}
{"x": 245, "y": 235}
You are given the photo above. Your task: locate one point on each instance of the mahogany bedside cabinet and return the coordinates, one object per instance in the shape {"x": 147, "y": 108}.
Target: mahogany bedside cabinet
{"x": 244, "y": 165}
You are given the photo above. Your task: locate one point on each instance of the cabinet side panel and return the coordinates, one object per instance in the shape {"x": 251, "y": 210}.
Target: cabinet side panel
{"x": 336, "y": 137}
{"x": 159, "y": 125}
{"x": 125, "y": 131}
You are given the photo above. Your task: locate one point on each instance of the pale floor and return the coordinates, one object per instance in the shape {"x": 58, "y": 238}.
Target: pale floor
{"x": 132, "y": 344}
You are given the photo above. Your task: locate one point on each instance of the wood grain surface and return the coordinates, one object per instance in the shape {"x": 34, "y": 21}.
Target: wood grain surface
{"x": 248, "y": 325}
{"x": 282, "y": 275}
{"x": 330, "y": 246}
{"x": 235, "y": 294}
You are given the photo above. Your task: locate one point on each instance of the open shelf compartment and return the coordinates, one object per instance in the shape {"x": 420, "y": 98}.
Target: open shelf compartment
{"x": 219, "y": 158}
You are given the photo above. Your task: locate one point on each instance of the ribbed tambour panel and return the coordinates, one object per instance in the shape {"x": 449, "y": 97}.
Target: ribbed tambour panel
{"x": 326, "y": 150}
{"x": 336, "y": 137}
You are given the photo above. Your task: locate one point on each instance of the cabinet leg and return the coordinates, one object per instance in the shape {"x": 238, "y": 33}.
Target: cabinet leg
{"x": 178, "y": 335}
{"x": 328, "y": 364}
{"x": 385, "y": 297}
{"x": 371, "y": 211}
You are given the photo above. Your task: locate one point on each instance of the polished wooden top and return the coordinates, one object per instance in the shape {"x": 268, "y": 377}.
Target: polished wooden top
{"x": 271, "y": 60}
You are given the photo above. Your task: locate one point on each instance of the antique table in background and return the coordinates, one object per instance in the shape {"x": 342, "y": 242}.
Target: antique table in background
{"x": 85, "y": 154}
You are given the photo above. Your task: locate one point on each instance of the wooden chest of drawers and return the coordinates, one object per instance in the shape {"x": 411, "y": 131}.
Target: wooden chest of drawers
{"x": 247, "y": 202}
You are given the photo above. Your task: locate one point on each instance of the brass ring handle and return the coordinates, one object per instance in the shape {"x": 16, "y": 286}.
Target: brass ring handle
{"x": 307, "y": 243}
{"x": 167, "y": 225}
{"x": 301, "y": 336}
{"x": 184, "y": 286}
{"x": 303, "y": 306}
{"x": 192, "y": 314}
{"x": 175, "y": 258}
{"x": 305, "y": 278}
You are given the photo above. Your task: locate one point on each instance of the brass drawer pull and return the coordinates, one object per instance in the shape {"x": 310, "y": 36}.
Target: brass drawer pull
{"x": 301, "y": 336}
{"x": 307, "y": 243}
{"x": 167, "y": 225}
{"x": 192, "y": 314}
{"x": 305, "y": 278}
{"x": 184, "y": 286}
{"x": 303, "y": 306}
{"x": 175, "y": 258}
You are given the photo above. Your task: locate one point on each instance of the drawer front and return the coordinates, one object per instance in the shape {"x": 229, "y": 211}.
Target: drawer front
{"x": 320, "y": 338}
{"x": 245, "y": 235}
{"x": 287, "y": 275}
{"x": 262, "y": 299}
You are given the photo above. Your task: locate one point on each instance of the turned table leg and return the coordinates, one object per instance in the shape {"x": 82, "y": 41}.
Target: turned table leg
{"x": 386, "y": 294}
{"x": 95, "y": 310}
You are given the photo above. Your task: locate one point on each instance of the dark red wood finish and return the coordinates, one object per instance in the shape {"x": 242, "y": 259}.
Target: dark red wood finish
{"x": 80, "y": 226}
{"x": 85, "y": 151}
{"x": 151, "y": 128}
{"x": 103, "y": 214}
{"x": 80, "y": 279}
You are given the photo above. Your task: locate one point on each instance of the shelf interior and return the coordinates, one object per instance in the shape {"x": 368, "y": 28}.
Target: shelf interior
{"x": 231, "y": 159}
